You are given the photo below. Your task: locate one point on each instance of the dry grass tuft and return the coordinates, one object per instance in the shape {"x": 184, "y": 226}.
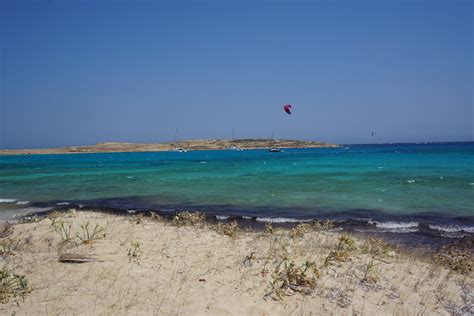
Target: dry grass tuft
{"x": 188, "y": 218}
{"x": 9, "y": 246}
{"x": 155, "y": 217}
{"x": 134, "y": 251}
{"x": 378, "y": 248}
{"x": 137, "y": 219}
{"x": 269, "y": 229}
{"x": 12, "y": 285}
{"x": 228, "y": 229}
{"x": 299, "y": 230}
{"x": 323, "y": 225}
{"x": 141, "y": 218}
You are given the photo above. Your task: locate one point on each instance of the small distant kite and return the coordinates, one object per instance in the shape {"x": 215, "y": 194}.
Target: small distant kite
{"x": 287, "y": 108}
{"x": 372, "y": 134}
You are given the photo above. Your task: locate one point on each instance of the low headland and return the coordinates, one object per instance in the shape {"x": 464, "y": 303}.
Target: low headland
{"x": 91, "y": 262}
{"x": 186, "y": 145}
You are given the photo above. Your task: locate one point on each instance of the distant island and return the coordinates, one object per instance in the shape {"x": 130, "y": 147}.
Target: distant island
{"x": 186, "y": 145}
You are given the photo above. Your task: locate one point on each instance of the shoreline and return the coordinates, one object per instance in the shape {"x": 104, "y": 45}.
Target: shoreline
{"x": 411, "y": 231}
{"x": 191, "y": 145}
{"x": 149, "y": 265}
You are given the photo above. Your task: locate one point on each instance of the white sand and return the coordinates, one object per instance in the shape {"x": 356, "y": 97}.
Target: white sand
{"x": 193, "y": 270}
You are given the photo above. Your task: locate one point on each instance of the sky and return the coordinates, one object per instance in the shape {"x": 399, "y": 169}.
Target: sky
{"x": 83, "y": 72}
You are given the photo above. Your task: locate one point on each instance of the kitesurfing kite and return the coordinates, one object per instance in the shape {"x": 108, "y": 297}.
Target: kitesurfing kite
{"x": 287, "y": 108}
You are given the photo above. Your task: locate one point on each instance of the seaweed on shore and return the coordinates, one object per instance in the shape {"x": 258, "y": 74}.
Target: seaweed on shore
{"x": 458, "y": 256}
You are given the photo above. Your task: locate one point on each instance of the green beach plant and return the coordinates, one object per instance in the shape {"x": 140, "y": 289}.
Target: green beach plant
{"x": 288, "y": 278}
{"x": 371, "y": 275}
{"x": 63, "y": 229}
{"x": 342, "y": 250}
{"x": 87, "y": 235}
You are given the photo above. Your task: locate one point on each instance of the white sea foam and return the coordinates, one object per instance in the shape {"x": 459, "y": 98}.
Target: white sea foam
{"x": 396, "y": 227}
{"x": 411, "y": 181}
{"x": 453, "y": 228}
{"x": 131, "y": 211}
{"x": 281, "y": 220}
{"x": 246, "y": 217}
{"x": 22, "y": 202}
{"x": 129, "y": 177}
{"x": 63, "y": 203}
{"x": 7, "y": 200}
{"x": 221, "y": 217}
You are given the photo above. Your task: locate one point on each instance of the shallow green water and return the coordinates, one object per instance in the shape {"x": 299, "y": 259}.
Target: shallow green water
{"x": 399, "y": 179}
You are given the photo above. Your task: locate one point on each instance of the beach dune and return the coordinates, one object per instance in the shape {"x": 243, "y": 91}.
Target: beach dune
{"x": 96, "y": 263}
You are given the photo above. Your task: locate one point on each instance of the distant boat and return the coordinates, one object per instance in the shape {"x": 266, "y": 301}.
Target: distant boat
{"x": 236, "y": 148}
{"x": 274, "y": 150}
{"x": 179, "y": 150}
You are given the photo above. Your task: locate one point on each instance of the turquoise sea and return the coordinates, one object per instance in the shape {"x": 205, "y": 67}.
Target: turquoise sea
{"x": 400, "y": 187}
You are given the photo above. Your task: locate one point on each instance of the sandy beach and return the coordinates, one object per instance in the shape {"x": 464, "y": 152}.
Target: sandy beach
{"x": 93, "y": 263}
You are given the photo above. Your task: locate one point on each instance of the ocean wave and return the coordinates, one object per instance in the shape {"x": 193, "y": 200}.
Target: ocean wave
{"x": 281, "y": 220}
{"x": 221, "y": 217}
{"x": 452, "y": 228}
{"x": 391, "y": 224}
{"x": 63, "y": 203}
{"x": 8, "y": 200}
{"x": 22, "y": 202}
{"x": 396, "y": 227}
{"x": 411, "y": 181}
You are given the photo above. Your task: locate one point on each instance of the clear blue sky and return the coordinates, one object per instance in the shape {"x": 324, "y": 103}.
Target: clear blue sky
{"x": 82, "y": 72}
